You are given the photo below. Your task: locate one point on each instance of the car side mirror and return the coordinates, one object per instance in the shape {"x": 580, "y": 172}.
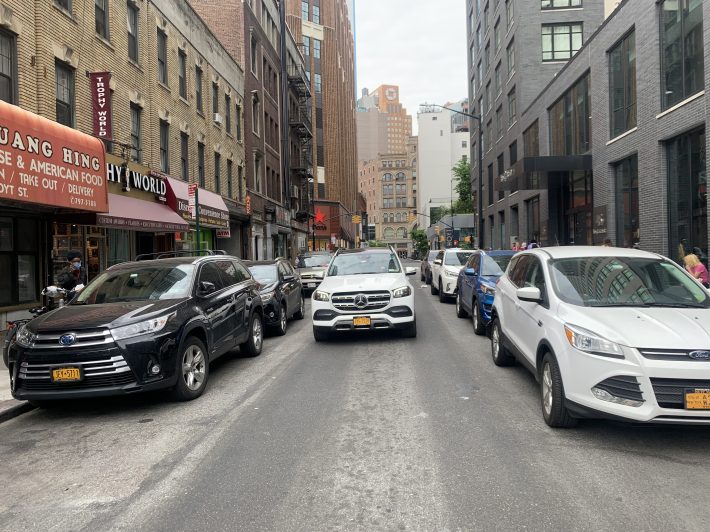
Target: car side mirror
{"x": 206, "y": 288}
{"x": 437, "y": 262}
{"x": 410, "y": 271}
{"x": 529, "y": 293}
{"x": 469, "y": 272}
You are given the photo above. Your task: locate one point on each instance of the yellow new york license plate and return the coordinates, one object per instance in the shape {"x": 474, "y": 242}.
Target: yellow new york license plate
{"x": 66, "y": 374}
{"x": 697, "y": 400}
{"x": 360, "y": 321}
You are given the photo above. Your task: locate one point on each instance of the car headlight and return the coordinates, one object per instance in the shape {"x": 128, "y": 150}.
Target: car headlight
{"x": 318, "y": 295}
{"x": 589, "y": 342}
{"x": 265, "y": 296}
{"x": 24, "y": 337}
{"x": 488, "y": 290}
{"x": 142, "y": 327}
{"x": 402, "y": 291}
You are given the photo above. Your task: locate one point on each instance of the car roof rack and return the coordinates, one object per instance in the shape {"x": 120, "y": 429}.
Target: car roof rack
{"x": 180, "y": 253}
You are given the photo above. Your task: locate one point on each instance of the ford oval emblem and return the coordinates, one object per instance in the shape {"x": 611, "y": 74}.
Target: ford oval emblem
{"x": 67, "y": 339}
{"x": 699, "y": 355}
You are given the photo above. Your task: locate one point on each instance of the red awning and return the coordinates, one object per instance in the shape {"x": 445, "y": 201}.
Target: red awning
{"x": 47, "y": 163}
{"x": 213, "y": 211}
{"x": 138, "y": 215}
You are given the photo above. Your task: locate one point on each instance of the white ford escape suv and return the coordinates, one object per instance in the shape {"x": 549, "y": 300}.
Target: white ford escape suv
{"x": 608, "y": 332}
{"x": 364, "y": 289}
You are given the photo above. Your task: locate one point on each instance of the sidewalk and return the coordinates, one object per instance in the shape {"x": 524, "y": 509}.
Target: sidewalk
{"x": 9, "y": 407}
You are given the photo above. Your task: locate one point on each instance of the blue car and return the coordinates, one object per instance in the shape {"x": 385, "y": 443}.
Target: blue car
{"x": 476, "y": 286}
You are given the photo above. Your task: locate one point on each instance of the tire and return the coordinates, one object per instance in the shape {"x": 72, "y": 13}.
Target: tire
{"x": 301, "y": 312}
{"x": 193, "y": 370}
{"x": 460, "y": 311}
{"x": 552, "y": 395}
{"x": 410, "y": 331}
{"x": 422, "y": 277}
{"x": 434, "y": 289}
{"x": 442, "y": 295}
{"x": 252, "y": 347}
{"x": 428, "y": 279}
{"x": 478, "y": 326}
{"x": 320, "y": 335}
{"x": 280, "y": 329}
{"x": 500, "y": 355}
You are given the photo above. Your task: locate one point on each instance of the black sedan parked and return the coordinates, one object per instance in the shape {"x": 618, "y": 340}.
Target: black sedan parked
{"x": 280, "y": 289}
{"x": 140, "y": 326}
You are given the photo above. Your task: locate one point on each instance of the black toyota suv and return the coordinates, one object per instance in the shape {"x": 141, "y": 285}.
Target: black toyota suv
{"x": 281, "y": 292}
{"x": 140, "y": 326}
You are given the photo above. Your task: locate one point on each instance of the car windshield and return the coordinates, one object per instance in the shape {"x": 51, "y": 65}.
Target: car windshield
{"x": 625, "y": 282}
{"x": 432, "y": 255}
{"x": 265, "y": 273}
{"x": 313, "y": 261}
{"x": 495, "y": 264}
{"x": 137, "y": 284}
{"x": 457, "y": 258}
{"x": 364, "y": 263}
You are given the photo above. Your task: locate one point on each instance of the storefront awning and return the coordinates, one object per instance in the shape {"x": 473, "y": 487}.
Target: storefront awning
{"x": 212, "y": 209}
{"x": 138, "y": 215}
{"x": 532, "y": 173}
{"x": 50, "y": 164}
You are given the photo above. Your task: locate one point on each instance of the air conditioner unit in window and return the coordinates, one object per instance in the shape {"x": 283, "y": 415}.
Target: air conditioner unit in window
{"x": 217, "y": 118}
{"x": 295, "y": 192}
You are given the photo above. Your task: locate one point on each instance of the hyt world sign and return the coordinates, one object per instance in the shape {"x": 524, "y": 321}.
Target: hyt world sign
{"x": 131, "y": 179}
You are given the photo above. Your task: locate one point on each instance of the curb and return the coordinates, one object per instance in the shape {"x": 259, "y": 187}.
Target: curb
{"x": 12, "y": 408}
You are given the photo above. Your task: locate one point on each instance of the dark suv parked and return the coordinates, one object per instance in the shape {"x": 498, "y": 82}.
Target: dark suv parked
{"x": 140, "y": 326}
{"x": 280, "y": 290}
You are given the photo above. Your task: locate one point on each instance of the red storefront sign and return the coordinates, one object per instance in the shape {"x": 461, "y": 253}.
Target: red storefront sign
{"x": 44, "y": 162}
{"x": 101, "y": 104}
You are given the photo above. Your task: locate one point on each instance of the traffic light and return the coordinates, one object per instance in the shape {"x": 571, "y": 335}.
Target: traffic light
{"x": 456, "y": 243}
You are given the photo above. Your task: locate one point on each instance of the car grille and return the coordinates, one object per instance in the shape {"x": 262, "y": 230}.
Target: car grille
{"x": 670, "y": 393}
{"x": 623, "y": 386}
{"x": 354, "y": 302}
{"x": 312, "y": 276}
{"x": 672, "y": 354}
{"x": 34, "y": 373}
{"x": 88, "y": 338}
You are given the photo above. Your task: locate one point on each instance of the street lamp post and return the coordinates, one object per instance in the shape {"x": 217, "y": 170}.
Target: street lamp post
{"x": 479, "y": 210}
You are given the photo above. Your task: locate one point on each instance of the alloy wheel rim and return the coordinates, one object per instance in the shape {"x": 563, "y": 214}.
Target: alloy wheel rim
{"x": 458, "y": 304}
{"x": 475, "y": 314}
{"x": 547, "y": 388}
{"x": 256, "y": 333}
{"x": 302, "y": 306}
{"x": 193, "y": 367}
{"x": 496, "y": 342}
{"x": 283, "y": 319}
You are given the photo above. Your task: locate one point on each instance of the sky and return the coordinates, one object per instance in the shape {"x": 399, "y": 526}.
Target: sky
{"x": 419, "y": 45}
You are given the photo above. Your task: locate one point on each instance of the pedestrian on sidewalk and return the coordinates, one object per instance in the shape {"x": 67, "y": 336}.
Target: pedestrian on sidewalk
{"x": 697, "y": 269}
{"x": 73, "y": 273}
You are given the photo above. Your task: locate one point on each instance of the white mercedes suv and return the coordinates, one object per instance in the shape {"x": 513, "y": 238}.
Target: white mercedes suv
{"x": 608, "y": 332}
{"x": 364, "y": 289}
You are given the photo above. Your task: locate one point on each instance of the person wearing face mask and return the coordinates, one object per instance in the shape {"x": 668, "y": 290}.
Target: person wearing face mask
{"x": 73, "y": 273}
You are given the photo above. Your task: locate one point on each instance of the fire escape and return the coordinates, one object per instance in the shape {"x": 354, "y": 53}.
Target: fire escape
{"x": 302, "y": 129}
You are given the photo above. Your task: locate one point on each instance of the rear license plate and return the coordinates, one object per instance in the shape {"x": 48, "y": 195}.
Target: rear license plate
{"x": 361, "y": 321}
{"x": 66, "y": 374}
{"x": 697, "y": 399}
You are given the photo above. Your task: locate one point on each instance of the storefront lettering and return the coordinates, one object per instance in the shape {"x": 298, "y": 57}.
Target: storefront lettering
{"x": 136, "y": 180}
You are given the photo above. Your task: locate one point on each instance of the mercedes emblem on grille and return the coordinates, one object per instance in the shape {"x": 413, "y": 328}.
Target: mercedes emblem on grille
{"x": 699, "y": 355}
{"x": 360, "y": 301}
{"x": 67, "y": 339}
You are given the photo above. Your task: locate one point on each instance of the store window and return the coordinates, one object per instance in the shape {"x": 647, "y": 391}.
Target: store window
{"x": 533, "y": 216}
{"x": 622, "y": 85}
{"x": 627, "y": 202}
{"x": 688, "y": 195}
{"x": 19, "y": 260}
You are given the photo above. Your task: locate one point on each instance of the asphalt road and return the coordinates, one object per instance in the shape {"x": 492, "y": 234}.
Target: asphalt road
{"x": 363, "y": 433}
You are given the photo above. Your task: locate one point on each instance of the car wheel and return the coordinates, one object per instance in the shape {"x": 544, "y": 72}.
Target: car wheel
{"x": 320, "y": 335}
{"x": 428, "y": 279}
{"x": 442, "y": 295}
{"x": 301, "y": 312}
{"x": 552, "y": 395}
{"x": 252, "y": 347}
{"x": 460, "y": 312}
{"x": 478, "y": 326}
{"x": 433, "y": 288}
{"x": 410, "y": 331}
{"x": 501, "y": 356}
{"x": 193, "y": 371}
{"x": 422, "y": 277}
{"x": 280, "y": 329}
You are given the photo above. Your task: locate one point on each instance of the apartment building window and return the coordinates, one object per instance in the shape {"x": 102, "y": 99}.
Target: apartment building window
{"x": 164, "y": 147}
{"x": 387, "y": 189}
{"x": 479, "y": 75}
{"x": 217, "y": 173}
{"x": 497, "y": 78}
{"x": 499, "y": 122}
{"x": 132, "y": 30}
{"x": 304, "y": 9}
{"x": 316, "y": 48}
{"x": 64, "y": 94}
{"x": 316, "y": 14}
{"x": 240, "y": 185}
{"x": 509, "y": 12}
{"x": 512, "y": 107}
{"x": 510, "y": 55}
{"x": 253, "y": 49}
{"x": 501, "y": 229}
{"x": 317, "y": 80}
{"x": 401, "y": 188}
{"x": 238, "y": 120}
{"x": 496, "y": 35}
{"x": 135, "y": 132}
{"x": 489, "y": 134}
{"x": 513, "y": 153}
{"x": 489, "y": 101}
{"x": 230, "y": 186}
{"x": 570, "y": 128}
{"x": 622, "y": 85}
{"x": 64, "y": 4}
{"x": 182, "y": 73}
{"x": 627, "y": 202}
{"x": 198, "y": 90}
{"x": 681, "y": 36}
{"x": 401, "y": 203}
{"x": 184, "y": 157}
{"x": 560, "y": 4}
{"x": 533, "y": 216}
{"x": 215, "y": 98}
{"x": 101, "y": 12}
{"x": 487, "y": 58}
{"x": 531, "y": 140}
{"x": 388, "y": 203}
{"x": 255, "y": 117}
{"x": 162, "y": 57}
{"x": 228, "y": 113}
{"x": 561, "y": 41}
{"x": 306, "y": 46}
{"x": 485, "y": 18}
{"x": 501, "y": 168}
{"x": 490, "y": 185}
{"x": 8, "y": 67}
{"x": 478, "y": 38}
{"x": 201, "y": 164}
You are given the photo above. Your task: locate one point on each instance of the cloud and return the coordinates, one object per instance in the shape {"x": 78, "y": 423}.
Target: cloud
{"x": 416, "y": 44}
